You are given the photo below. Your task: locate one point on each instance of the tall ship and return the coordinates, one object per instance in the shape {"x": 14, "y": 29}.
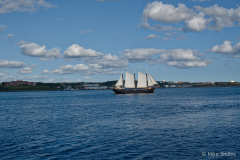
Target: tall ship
{"x": 145, "y": 84}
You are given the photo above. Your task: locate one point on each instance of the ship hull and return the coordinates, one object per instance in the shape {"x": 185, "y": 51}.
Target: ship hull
{"x": 133, "y": 91}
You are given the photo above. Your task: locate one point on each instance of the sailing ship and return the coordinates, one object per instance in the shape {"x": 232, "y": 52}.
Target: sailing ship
{"x": 145, "y": 84}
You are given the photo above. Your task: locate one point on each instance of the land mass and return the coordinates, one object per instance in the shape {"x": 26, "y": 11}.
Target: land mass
{"x": 39, "y": 86}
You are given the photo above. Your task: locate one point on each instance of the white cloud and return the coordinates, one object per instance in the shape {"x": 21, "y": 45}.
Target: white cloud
{"x": 45, "y": 72}
{"x": 179, "y": 58}
{"x": 109, "y": 57}
{"x": 34, "y": 50}
{"x": 164, "y": 28}
{"x": 182, "y": 58}
{"x": 105, "y": 71}
{"x": 152, "y": 36}
{"x": 106, "y": 62}
{"x": 27, "y": 70}
{"x": 21, "y": 43}
{"x": 197, "y": 23}
{"x": 9, "y": 6}
{"x": 85, "y": 31}
{"x": 3, "y": 74}
{"x": 76, "y": 51}
{"x": 86, "y": 77}
{"x": 70, "y": 69}
{"x": 195, "y": 19}
{"x": 140, "y": 54}
{"x": 158, "y": 27}
{"x": 167, "y": 39}
{"x": 32, "y": 78}
{"x": 2, "y": 27}
{"x": 166, "y": 13}
{"x": 63, "y": 79}
{"x": 8, "y": 78}
{"x": 214, "y": 10}
{"x": 46, "y": 5}
{"x": 10, "y": 35}
{"x": 98, "y": 63}
{"x": 34, "y": 65}
{"x": 168, "y": 34}
{"x": 178, "y": 54}
{"x": 221, "y": 16}
{"x": 11, "y": 64}
{"x": 51, "y": 80}
{"x": 181, "y": 38}
{"x": 191, "y": 64}
{"x": 227, "y": 49}
{"x": 35, "y": 78}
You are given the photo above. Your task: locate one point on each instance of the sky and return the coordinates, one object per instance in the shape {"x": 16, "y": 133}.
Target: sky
{"x": 93, "y": 40}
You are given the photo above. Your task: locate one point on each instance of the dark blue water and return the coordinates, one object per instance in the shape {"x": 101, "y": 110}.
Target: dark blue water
{"x": 183, "y": 123}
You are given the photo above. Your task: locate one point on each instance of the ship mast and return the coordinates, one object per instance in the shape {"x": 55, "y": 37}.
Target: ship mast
{"x": 134, "y": 79}
{"x": 122, "y": 78}
{"x": 146, "y": 78}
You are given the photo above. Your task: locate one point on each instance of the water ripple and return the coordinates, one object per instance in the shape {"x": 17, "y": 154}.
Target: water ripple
{"x": 169, "y": 124}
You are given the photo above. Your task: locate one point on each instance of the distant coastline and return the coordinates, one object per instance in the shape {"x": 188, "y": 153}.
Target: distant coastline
{"x": 39, "y": 86}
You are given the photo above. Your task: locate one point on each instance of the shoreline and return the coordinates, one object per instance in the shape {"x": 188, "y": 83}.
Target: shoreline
{"x": 6, "y": 88}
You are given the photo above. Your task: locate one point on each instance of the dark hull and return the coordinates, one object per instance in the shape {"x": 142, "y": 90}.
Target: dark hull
{"x": 133, "y": 91}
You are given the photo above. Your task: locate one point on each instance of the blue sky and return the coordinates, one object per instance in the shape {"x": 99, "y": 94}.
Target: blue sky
{"x": 92, "y": 40}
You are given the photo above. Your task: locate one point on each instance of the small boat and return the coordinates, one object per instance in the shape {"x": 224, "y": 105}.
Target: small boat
{"x": 145, "y": 84}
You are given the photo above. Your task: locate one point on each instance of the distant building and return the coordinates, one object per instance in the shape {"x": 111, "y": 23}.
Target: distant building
{"x": 166, "y": 86}
{"x": 94, "y": 86}
{"x": 7, "y": 83}
{"x": 20, "y": 83}
{"x": 232, "y": 81}
{"x": 102, "y": 87}
{"x": 79, "y": 87}
{"x": 91, "y": 87}
{"x": 91, "y": 84}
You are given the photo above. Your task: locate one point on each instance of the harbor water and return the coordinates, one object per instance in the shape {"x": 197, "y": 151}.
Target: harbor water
{"x": 172, "y": 123}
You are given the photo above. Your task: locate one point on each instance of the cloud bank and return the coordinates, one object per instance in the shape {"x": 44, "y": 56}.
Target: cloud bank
{"x": 196, "y": 19}
{"x": 27, "y": 70}
{"x": 227, "y": 49}
{"x": 179, "y": 58}
{"x": 11, "y": 64}
{"x": 34, "y": 50}
{"x": 76, "y": 51}
{"x": 9, "y": 6}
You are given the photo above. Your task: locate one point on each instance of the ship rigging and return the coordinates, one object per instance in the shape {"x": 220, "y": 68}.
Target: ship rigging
{"x": 145, "y": 84}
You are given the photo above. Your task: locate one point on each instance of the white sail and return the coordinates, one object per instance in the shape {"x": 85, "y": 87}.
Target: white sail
{"x": 129, "y": 81}
{"x": 142, "y": 80}
{"x": 153, "y": 80}
{"x": 150, "y": 83}
{"x": 120, "y": 81}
